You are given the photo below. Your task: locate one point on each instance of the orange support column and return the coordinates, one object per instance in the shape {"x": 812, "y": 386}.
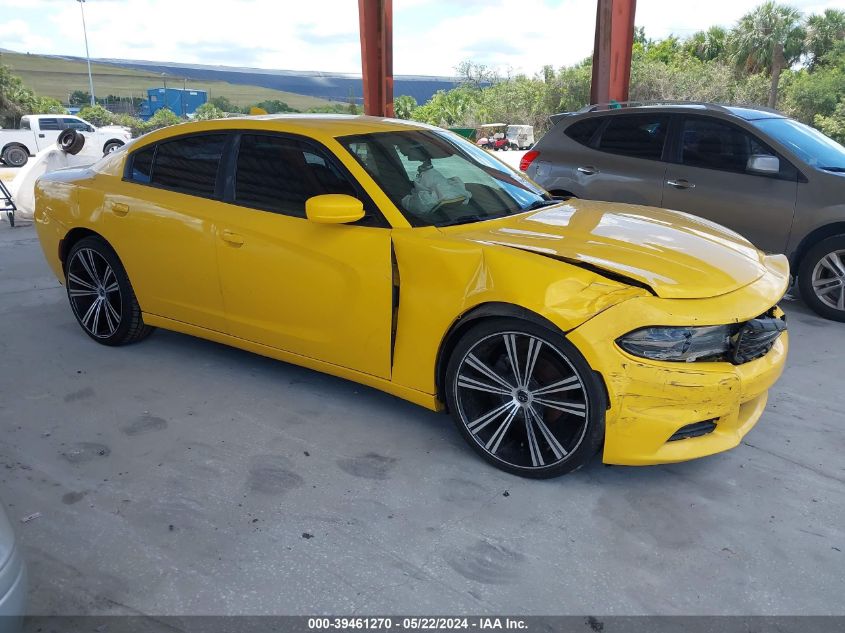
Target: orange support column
{"x": 612, "y": 52}
{"x": 376, "y": 20}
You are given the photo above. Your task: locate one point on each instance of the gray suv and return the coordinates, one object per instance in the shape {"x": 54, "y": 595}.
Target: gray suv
{"x": 776, "y": 181}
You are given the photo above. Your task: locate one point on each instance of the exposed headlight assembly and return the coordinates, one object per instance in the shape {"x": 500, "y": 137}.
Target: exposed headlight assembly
{"x": 685, "y": 344}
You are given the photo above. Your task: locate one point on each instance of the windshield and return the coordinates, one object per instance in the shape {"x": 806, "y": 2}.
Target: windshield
{"x": 436, "y": 178}
{"x": 811, "y": 145}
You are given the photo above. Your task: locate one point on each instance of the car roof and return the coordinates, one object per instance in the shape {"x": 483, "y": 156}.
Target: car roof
{"x": 748, "y": 113}
{"x": 317, "y": 125}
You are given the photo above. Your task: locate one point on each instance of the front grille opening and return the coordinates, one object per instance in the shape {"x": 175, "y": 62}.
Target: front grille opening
{"x": 696, "y": 429}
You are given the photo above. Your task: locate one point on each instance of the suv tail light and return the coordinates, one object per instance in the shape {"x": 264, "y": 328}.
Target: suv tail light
{"x": 527, "y": 159}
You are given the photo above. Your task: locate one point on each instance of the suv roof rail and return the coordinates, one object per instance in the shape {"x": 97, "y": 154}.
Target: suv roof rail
{"x": 613, "y": 105}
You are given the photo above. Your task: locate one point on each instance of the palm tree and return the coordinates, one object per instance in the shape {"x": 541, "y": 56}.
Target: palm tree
{"x": 823, "y": 32}
{"x": 708, "y": 45}
{"x": 768, "y": 39}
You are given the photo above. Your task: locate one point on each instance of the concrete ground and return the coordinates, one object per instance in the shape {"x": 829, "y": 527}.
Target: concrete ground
{"x": 178, "y": 476}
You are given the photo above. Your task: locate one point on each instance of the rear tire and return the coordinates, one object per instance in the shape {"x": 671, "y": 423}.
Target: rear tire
{"x": 15, "y": 156}
{"x": 524, "y": 398}
{"x": 101, "y": 296}
{"x": 821, "y": 278}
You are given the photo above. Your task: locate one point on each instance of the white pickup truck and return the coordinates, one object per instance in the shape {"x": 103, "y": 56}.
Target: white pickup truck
{"x": 38, "y": 131}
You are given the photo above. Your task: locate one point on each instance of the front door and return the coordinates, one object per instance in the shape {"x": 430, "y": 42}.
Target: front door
{"x": 711, "y": 180}
{"x": 320, "y": 291}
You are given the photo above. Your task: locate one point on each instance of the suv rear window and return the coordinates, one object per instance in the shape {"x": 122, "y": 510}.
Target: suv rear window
{"x": 583, "y": 131}
{"x": 640, "y": 135}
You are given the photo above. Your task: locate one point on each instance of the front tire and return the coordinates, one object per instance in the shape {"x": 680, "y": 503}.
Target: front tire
{"x": 100, "y": 295}
{"x": 525, "y": 399}
{"x": 821, "y": 278}
{"x": 111, "y": 146}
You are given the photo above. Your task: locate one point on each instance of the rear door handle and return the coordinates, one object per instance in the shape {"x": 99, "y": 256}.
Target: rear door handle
{"x": 680, "y": 184}
{"x": 120, "y": 209}
{"x": 232, "y": 238}
{"x": 588, "y": 170}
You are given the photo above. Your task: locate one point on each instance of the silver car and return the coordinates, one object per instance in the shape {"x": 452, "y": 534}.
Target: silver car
{"x": 13, "y": 578}
{"x": 776, "y": 181}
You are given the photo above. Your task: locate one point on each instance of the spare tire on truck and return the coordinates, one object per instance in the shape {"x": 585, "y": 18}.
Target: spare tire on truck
{"x": 71, "y": 142}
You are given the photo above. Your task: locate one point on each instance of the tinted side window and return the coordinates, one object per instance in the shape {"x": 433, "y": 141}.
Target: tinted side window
{"x": 583, "y": 131}
{"x": 279, "y": 174}
{"x": 142, "y": 165}
{"x": 717, "y": 145}
{"x": 641, "y": 136}
{"x": 73, "y": 124}
{"x": 189, "y": 164}
{"x": 48, "y": 124}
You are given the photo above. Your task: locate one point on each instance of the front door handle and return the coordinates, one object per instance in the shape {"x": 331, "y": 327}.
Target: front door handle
{"x": 680, "y": 184}
{"x": 119, "y": 209}
{"x": 232, "y": 238}
{"x": 588, "y": 170}
{"x": 42, "y": 135}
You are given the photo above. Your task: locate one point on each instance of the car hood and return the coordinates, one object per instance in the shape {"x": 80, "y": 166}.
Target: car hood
{"x": 675, "y": 254}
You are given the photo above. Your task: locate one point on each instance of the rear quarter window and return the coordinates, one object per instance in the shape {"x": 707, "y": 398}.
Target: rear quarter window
{"x": 583, "y": 131}
{"x": 639, "y": 136}
{"x": 141, "y": 168}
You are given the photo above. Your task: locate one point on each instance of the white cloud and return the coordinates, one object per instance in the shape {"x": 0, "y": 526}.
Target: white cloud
{"x": 16, "y": 35}
{"x": 430, "y": 36}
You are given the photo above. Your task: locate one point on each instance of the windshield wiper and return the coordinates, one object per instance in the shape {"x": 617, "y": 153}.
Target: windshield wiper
{"x": 467, "y": 219}
{"x": 838, "y": 170}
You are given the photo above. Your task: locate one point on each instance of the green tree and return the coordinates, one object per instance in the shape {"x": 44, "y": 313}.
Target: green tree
{"x": 770, "y": 38}
{"x": 450, "y": 107}
{"x": 163, "y": 117}
{"x": 97, "y": 115}
{"x": 15, "y": 99}
{"x": 824, "y": 32}
{"x": 274, "y": 106}
{"x": 708, "y": 45}
{"x": 224, "y": 104}
{"x": 208, "y": 111}
{"x": 833, "y": 125}
{"x": 48, "y": 105}
{"x": 404, "y": 106}
{"x": 79, "y": 98}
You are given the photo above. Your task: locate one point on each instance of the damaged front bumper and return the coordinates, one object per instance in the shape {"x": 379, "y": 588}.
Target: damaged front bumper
{"x": 662, "y": 411}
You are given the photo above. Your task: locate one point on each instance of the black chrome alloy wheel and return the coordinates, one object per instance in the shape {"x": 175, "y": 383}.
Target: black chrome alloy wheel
{"x": 94, "y": 293}
{"x": 526, "y": 400}
{"x": 100, "y": 295}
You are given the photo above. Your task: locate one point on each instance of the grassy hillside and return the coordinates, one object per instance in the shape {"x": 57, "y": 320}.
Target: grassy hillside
{"x": 54, "y": 77}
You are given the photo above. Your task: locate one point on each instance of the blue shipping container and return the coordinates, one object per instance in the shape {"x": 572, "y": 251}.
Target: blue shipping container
{"x": 179, "y": 101}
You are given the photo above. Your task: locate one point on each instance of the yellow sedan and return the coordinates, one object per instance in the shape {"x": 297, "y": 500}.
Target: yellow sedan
{"x": 405, "y": 258}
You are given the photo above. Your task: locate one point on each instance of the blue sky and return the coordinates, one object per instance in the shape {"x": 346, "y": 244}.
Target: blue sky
{"x": 430, "y": 36}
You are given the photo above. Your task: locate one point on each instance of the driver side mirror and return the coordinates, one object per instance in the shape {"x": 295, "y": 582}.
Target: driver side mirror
{"x": 763, "y": 164}
{"x": 334, "y": 208}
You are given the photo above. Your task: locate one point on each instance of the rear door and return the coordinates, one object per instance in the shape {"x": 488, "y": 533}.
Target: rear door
{"x": 709, "y": 178}
{"x": 162, "y": 219}
{"x": 625, "y": 163}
